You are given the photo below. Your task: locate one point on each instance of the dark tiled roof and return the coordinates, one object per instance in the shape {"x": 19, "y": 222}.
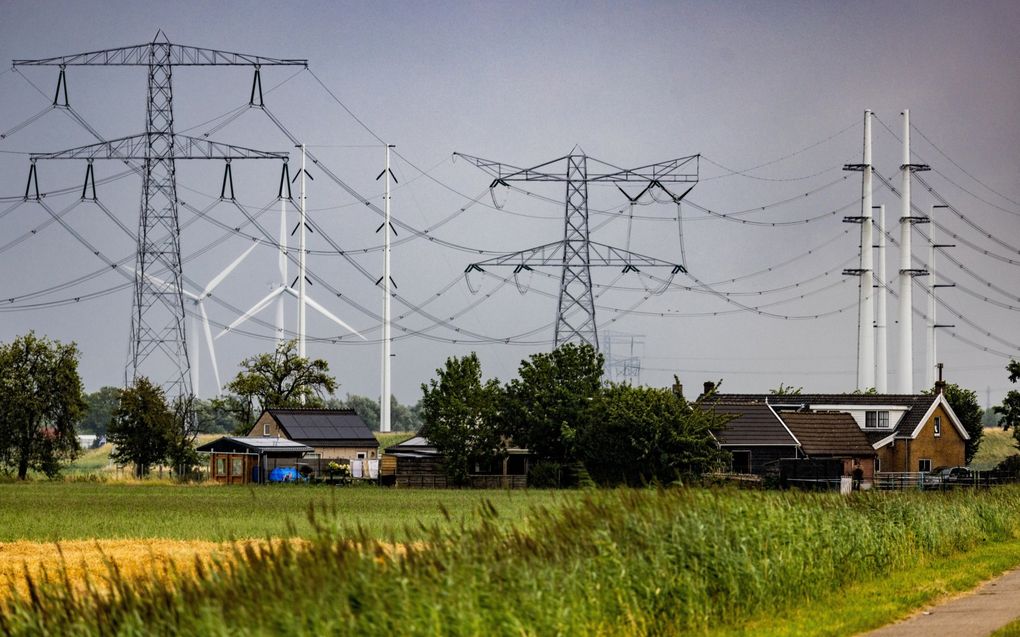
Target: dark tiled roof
{"x": 828, "y": 433}
{"x": 753, "y": 424}
{"x": 325, "y": 427}
{"x": 918, "y": 404}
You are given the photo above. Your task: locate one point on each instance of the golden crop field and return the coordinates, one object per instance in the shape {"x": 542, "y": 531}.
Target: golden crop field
{"x": 92, "y": 560}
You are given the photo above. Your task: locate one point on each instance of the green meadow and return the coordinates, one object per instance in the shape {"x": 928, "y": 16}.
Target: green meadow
{"x": 610, "y": 562}
{"x": 54, "y": 511}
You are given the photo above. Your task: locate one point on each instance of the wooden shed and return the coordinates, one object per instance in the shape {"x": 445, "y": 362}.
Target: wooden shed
{"x": 417, "y": 463}
{"x": 249, "y": 460}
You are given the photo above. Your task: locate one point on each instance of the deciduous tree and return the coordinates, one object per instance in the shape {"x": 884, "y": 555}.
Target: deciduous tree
{"x": 142, "y": 427}
{"x": 41, "y": 401}
{"x": 636, "y": 435}
{"x": 1009, "y": 410}
{"x": 547, "y": 405}
{"x": 459, "y": 411}
{"x": 281, "y": 379}
{"x": 101, "y": 405}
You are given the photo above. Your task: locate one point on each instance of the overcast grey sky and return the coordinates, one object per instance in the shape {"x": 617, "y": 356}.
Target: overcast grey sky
{"x": 744, "y": 84}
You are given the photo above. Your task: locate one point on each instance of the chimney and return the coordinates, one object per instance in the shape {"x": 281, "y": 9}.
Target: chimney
{"x": 709, "y": 387}
{"x": 940, "y": 385}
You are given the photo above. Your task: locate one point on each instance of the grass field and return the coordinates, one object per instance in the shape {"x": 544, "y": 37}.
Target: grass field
{"x": 52, "y": 511}
{"x": 996, "y": 446}
{"x": 615, "y": 562}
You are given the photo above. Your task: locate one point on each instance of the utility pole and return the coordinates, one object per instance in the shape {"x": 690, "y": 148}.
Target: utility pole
{"x": 157, "y": 316}
{"x": 384, "y": 396}
{"x": 905, "y": 363}
{"x": 865, "y": 306}
{"x": 577, "y": 253}
{"x": 302, "y": 275}
{"x": 881, "y": 330}
{"x": 933, "y": 285}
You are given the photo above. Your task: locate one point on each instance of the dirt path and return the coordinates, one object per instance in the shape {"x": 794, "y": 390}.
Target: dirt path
{"x": 975, "y": 614}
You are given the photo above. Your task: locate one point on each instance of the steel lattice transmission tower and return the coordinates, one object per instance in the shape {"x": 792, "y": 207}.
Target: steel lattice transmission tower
{"x": 577, "y": 253}
{"x": 157, "y": 314}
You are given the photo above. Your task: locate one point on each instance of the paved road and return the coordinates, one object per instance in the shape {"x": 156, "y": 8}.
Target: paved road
{"x": 976, "y": 614}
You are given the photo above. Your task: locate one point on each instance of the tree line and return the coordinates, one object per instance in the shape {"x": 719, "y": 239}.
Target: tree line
{"x": 577, "y": 428}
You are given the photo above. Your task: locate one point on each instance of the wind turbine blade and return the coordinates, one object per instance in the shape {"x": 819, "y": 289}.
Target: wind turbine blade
{"x": 321, "y": 310}
{"x": 212, "y": 348}
{"x": 158, "y": 281}
{"x": 230, "y": 268}
{"x": 255, "y": 309}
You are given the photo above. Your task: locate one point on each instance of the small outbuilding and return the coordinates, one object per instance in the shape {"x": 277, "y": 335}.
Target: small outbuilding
{"x": 249, "y": 460}
{"x": 335, "y": 435}
{"x": 417, "y": 463}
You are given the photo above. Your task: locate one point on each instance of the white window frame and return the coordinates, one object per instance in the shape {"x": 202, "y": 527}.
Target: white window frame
{"x": 878, "y": 464}
{"x": 876, "y": 419}
{"x": 938, "y": 426}
{"x": 361, "y": 455}
{"x": 265, "y": 429}
{"x": 920, "y": 465}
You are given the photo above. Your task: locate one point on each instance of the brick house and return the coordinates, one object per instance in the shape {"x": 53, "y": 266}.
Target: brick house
{"x": 908, "y": 432}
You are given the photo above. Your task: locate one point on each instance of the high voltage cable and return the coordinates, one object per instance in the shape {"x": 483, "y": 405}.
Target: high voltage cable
{"x": 733, "y": 173}
{"x": 988, "y": 235}
{"x": 963, "y": 240}
{"x": 984, "y": 331}
{"x": 744, "y": 172}
{"x": 965, "y": 172}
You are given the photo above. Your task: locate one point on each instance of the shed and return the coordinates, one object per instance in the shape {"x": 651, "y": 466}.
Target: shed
{"x": 417, "y": 463}
{"x": 234, "y": 460}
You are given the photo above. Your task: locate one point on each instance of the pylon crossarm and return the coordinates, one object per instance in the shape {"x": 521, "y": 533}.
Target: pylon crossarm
{"x": 679, "y": 170}
{"x": 505, "y": 172}
{"x": 136, "y": 147}
{"x": 179, "y": 55}
{"x": 599, "y": 254}
{"x": 548, "y": 254}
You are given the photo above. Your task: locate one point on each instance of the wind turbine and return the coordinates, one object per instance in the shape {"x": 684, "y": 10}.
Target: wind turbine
{"x": 199, "y": 301}
{"x": 288, "y": 289}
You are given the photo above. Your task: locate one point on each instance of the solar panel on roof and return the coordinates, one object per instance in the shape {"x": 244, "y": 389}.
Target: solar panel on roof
{"x": 324, "y": 425}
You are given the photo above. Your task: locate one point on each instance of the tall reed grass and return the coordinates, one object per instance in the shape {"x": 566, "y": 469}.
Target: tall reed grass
{"x": 623, "y": 562}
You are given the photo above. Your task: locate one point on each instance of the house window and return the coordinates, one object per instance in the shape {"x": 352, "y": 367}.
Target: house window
{"x": 938, "y": 426}
{"x": 876, "y": 420}
{"x": 236, "y": 466}
{"x": 741, "y": 462}
{"x": 221, "y": 466}
{"x": 265, "y": 429}
{"x": 924, "y": 465}
{"x": 878, "y": 464}
{"x": 360, "y": 455}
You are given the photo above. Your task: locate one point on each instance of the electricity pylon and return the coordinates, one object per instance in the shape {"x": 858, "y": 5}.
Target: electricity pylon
{"x": 157, "y": 313}
{"x": 577, "y": 253}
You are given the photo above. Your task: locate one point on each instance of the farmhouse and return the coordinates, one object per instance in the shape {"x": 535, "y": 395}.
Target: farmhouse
{"x": 247, "y": 460}
{"x": 907, "y": 432}
{"x": 333, "y": 434}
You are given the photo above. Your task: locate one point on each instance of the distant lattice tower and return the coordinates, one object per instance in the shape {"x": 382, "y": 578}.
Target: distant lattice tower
{"x": 576, "y": 254}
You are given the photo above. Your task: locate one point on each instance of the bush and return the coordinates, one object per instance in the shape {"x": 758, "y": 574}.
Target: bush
{"x": 545, "y": 475}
